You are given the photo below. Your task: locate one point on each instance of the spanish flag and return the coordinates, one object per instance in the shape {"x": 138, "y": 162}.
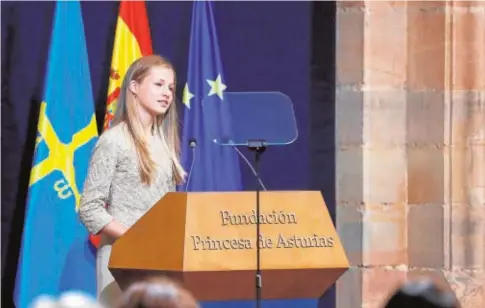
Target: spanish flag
{"x": 132, "y": 41}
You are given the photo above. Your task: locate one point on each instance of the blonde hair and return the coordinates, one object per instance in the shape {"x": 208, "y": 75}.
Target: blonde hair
{"x": 166, "y": 125}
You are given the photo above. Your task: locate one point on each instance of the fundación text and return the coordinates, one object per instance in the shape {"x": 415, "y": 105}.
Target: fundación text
{"x": 278, "y": 240}
{"x": 275, "y": 217}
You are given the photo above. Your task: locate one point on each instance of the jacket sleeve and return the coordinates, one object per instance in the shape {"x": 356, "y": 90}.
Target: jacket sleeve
{"x": 102, "y": 166}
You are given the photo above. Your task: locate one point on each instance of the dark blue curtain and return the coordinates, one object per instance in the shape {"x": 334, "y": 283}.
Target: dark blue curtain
{"x": 280, "y": 46}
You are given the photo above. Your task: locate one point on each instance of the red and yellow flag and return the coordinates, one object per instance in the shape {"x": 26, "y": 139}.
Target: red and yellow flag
{"x": 132, "y": 41}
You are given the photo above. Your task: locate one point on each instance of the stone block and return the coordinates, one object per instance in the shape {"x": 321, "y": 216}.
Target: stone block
{"x": 425, "y": 174}
{"x": 426, "y": 6}
{"x": 385, "y": 6}
{"x": 349, "y": 46}
{"x": 378, "y": 284}
{"x": 468, "y": 45}
{"x": 385, "y": 175}
{"x": 349, "y": 5}
{"x": 426, "y": 239}
{"x": 349, "y": 175}
{"x": 468, "y": 237}
{"x": 467, "y": 115}
{"x": 350, "y": 230}
{"x": 384, "y": 118}
{"x": 385, "y": 52}
{"x": 425, "y": 112}
{"x": 458, "y": 172}
{"x": 466, "y": 6}
{"x": 385, "y": 235}
{"x": 349, "y": 117}
{"x": 466, "y": 156}
{"x": 349, "y": 289}
{"x": 426, "y": 45}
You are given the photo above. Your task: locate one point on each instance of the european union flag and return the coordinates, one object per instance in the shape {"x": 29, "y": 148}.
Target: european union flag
{"x": 55, "y": 254}
{"x": 216, "y": 168}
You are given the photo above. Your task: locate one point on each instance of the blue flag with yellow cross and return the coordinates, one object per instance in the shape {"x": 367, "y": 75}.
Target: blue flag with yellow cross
{"x": 55, "y": 254}
{"x": 215, "y": 167}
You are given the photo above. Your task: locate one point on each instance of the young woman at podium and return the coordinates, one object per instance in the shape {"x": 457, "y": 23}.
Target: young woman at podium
{"x": 134, "y": 163}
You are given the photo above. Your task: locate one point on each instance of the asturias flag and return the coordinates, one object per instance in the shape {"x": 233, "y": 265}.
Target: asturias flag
{"x": 132, "y": 41}
{"x": 55, "y": 254}
{"x": 216, "y": 168}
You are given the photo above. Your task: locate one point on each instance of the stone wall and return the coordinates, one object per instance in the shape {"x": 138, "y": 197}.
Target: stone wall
{"x": 410, "y": 125}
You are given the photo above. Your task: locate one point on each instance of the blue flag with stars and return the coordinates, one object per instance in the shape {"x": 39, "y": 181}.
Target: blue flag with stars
{"x": 215, "y": 167}
{"x": 55, "y": 254}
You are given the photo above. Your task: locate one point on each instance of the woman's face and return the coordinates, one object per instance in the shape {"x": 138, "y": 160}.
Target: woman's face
{"x": 156, "y": 92}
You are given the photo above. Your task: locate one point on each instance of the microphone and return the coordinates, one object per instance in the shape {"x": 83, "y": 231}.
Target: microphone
{"x": 228, "y": 141}
{"x": 250, "y": 167}
{"x": 192, "y": 145}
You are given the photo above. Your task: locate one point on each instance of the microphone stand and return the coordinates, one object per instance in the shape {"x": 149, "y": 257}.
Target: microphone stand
{"x": 258, "y": 147}
{"x": 192, "y": 145}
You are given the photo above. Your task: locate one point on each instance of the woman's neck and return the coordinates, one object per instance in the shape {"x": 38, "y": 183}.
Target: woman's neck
{"x": 147, "y": 121}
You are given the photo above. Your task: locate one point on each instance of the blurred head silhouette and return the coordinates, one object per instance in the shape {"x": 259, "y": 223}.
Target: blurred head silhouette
{"x": 159, "y": 292}
{"x": 69, "y": 299}
{"x": 422, "y": 293}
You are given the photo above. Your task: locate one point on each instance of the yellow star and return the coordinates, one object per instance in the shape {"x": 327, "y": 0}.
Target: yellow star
{"x": 216, "y": 86}
{"x": 187, "y": 96}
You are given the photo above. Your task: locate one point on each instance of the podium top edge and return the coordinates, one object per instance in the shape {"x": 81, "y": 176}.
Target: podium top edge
{"x": 244, "y": 191}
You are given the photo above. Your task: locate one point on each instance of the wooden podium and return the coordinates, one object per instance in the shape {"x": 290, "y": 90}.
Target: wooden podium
{"x": 207, "y": 241}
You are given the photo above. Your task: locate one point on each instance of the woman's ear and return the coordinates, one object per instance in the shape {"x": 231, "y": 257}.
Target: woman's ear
{"x": 133, "y": 87}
